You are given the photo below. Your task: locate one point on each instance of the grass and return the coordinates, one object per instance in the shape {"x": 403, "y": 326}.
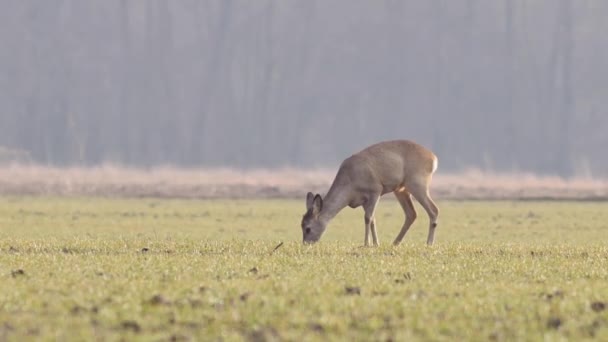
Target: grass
{"x": 148, "y": 269}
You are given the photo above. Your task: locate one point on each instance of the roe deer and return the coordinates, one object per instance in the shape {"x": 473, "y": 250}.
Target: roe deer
{"x": 400, "y": 166}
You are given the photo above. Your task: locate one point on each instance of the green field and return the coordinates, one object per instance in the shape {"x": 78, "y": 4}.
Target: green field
{"x": 147, "y": 269}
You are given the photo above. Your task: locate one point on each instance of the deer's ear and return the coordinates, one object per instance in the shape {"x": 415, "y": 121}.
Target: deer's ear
{"x": 317, "y": 205}
{"x": 309, "y": 199}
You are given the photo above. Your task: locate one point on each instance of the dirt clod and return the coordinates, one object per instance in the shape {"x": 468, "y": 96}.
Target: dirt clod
{"x": 317, "y": 327}
{"x": 263, "y": 334}
{"x": 77, "y": 310}
{"x": 598, "y": 306}
{"x": 195, "y": 303}
{"x": 176, "y": 338}
{"x": 243, "y": 297}
{"x": 554, "y": 322}
{"x": 352, "y": 290}
{"x": 159, "y": 300}
{"x": 17, "y": 273}
{"x": 131, "y": 325}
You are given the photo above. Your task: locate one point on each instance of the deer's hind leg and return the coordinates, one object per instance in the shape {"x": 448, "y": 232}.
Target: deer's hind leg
{"x": 421, "y": 193}
{"x": 405, "y": 199}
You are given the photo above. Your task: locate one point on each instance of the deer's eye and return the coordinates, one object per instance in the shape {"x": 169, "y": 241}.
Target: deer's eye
{"x": 307, "y": 230}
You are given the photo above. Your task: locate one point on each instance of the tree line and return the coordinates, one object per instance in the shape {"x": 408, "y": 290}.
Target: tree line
{"x": 500, "y": 85}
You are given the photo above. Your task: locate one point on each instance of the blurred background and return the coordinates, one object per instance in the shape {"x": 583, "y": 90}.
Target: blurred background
{"x": 507, "y": 86}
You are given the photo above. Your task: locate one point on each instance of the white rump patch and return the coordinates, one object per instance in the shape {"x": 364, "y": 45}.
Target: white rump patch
{"x": 435, "y": 162}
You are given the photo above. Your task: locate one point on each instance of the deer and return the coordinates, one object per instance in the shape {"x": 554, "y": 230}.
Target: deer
{"x": 402, "y": 167}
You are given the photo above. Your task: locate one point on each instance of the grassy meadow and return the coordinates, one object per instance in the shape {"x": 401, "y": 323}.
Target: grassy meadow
{"x": 158, "y": 270}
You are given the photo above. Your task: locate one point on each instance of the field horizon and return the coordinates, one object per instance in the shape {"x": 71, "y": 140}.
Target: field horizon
{"x": 291, "y": 183}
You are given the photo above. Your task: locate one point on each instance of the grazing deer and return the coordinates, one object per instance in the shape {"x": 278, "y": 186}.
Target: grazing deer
{"x": 400, "y": 166}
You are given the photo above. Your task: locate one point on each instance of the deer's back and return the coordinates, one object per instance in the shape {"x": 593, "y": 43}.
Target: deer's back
{"x": 391, "y": 163}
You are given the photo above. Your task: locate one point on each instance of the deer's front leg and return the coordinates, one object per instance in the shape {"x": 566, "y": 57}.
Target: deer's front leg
{"x": 367, "y": 230}
{"x": 370, "y": 221}
{"x": 374, "y": 232}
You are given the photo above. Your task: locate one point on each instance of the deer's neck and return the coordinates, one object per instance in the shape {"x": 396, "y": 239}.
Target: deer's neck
{"x": 337, "y": 198}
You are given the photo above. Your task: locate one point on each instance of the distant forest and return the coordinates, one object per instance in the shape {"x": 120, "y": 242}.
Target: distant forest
{"x": 511, "y": 85}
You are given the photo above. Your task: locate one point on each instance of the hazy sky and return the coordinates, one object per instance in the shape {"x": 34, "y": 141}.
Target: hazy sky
{"x": 500, "y": 85}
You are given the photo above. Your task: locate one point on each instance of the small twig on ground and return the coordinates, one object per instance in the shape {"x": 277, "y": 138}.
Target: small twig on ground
{"x": 277, "y": 247}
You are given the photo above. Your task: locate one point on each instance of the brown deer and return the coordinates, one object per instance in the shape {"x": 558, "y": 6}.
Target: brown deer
{"x": 399, "y": 166}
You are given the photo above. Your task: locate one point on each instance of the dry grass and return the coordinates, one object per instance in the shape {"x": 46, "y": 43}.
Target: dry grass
{"x": 474, "y": 184}
{"x": 172, "y": 182}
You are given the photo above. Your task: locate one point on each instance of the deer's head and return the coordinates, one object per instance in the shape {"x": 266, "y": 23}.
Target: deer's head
{"x": 312, "y": 226}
